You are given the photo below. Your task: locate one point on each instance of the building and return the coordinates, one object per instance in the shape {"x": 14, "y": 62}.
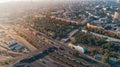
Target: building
{"x": 112, "y": 60}
{"x": 14, "y": 46}
{"x": 91, "y": 26}
{"x": 118, "y": 1}
{"x": 98, "y": 57}
{"x": 84, "y": 31}
{"x": 78, "y": 48}
{"x": 116, "y": 15}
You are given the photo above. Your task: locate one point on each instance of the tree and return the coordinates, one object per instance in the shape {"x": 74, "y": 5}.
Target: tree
{"x": 118, "y": 61}
{"x": 105, "y": 58}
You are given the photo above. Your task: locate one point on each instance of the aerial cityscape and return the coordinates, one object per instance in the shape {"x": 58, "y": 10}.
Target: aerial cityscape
{"x": 59, "y": 33}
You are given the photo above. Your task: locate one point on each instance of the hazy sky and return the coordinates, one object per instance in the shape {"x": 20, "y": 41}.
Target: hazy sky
{"x": 23, "y": 0}
{"x": 2, "y": 1}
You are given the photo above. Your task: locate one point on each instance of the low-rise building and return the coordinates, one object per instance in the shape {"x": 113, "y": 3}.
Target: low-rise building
{"x": 78, "y": 48}
{"x": 15, "y": 46}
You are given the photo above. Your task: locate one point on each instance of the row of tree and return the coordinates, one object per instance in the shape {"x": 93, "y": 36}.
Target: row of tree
{"x": 83, "y": 38}
{"x": 104, "y": 32}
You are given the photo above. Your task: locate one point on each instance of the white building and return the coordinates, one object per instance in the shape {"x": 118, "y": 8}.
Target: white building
{"x": 78, "y": 48}
{"x": 85, "y": 31}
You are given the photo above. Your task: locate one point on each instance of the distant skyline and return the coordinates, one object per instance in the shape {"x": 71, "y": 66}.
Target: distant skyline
{"x": 2, "y": 1}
